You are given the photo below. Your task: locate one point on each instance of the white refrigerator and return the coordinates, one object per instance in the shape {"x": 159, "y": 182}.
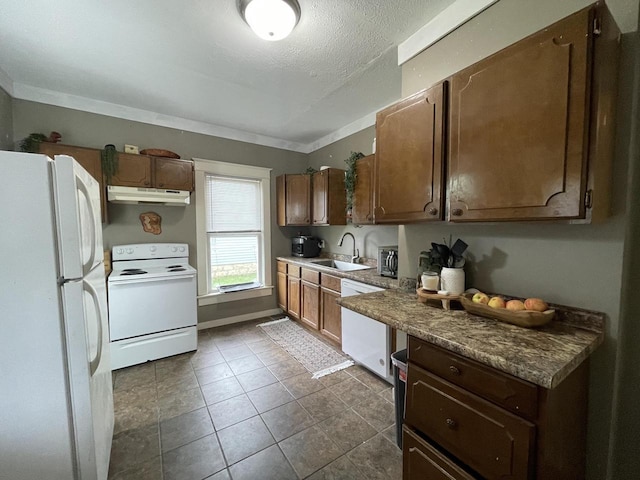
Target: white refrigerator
{"x": 56, "y": 397}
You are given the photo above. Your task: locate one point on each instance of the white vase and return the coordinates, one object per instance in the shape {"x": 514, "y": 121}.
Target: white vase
{"x": 452, "y": 280}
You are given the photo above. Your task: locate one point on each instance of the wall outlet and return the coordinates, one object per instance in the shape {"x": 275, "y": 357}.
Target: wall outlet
{"x": 321, "y": 243}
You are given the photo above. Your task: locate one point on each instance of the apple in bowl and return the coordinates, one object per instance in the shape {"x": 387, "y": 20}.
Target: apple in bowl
{"x": 497, "y": 302}
{"x": 480, "y": 297}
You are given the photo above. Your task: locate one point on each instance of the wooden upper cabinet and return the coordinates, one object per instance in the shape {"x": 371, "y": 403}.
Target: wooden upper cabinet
{"x": 362, "y": 210}
{"x": 173, "y": 174}
{"x": 409, "y": 160}
{"x": 293, "y": 196}
{"x": 133, "y": 171}
{"x": 519, "y": 125}
{"x": 329, "y": 197}
{"x": 90, "y": 160}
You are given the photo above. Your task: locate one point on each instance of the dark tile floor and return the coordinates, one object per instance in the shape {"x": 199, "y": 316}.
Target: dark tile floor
{"x": 241, "y": 407}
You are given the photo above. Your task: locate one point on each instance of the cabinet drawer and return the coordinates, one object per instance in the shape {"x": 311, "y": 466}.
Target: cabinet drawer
{"x": 282, "y": 267}
{"x": 510, "y": 392}
{"x": 330, "y": 282}
{"x": 311, "y": 276}
{"x": 487, "y": 438}
{"x": 293, "y": 271}
{"x": 421, "y": 461}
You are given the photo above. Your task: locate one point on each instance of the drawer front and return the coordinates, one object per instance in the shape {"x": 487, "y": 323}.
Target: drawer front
{"x": 510, "y": 392}
{"x": 330, "y": 282}
{"x": 422, "y": 461}
{"x": 293, "y": 271}
{"x": 311, "y": 276}
{"x": 282, "y": 267}
{"x": 490, "y": 440}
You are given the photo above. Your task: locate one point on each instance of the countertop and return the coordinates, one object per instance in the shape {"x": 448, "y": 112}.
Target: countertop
{"x": 544, "y": 356}
{"x": 369, "y": 276}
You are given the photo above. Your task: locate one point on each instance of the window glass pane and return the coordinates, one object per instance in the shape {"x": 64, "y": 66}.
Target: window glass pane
{"x": 234, "y": 259}
{"x": 233, "y": 204}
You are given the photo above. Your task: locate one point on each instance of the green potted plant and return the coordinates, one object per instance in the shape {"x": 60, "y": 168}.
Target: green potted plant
{"x": 350, "y": 177}
{"x": 109, "y": 160}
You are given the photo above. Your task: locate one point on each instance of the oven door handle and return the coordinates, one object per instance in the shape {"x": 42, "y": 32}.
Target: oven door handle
{"x": 129, "y": 281}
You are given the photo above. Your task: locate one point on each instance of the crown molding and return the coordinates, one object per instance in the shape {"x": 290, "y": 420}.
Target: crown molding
{"x": 441, "y": 25}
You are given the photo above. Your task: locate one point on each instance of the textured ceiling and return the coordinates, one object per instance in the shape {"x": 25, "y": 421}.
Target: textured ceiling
{"x": 197, "y": 60}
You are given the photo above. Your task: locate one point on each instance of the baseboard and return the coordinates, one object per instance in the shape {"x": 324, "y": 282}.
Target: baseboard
{"x": 238, "y": 318}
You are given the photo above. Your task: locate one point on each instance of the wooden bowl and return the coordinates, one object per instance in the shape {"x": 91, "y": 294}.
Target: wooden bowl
{"x": 521, "y": 318}
{"x": 157, "y": 152}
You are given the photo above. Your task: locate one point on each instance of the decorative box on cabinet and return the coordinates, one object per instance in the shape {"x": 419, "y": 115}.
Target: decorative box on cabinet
{"x": 90, "y": 160}
{"x": 362, "y": 210}
{"x": 531, "y": 127}
{"x": 409, "y": 160}
{"x": 489, "y": 424}
{"x": 329, "y": 205}
{"x": 293, "y": 198}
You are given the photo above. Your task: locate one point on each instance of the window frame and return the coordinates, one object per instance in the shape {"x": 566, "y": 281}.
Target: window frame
{"x": 202, "y": 168}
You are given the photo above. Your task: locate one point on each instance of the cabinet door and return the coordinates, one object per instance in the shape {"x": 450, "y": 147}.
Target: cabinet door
{"x": 173, "y": 174}
{"x": 298, "y": 199}
{"x": 310, "y": 300}
{"x": 133, "y": 171}
{"x": 282, "y": 291}
{"x": 281, "y": 205}
{"x": 293, "y": 297}
{"x": 329, "y": 197}
{"x": 492, "y": 441}
{"x": 362, "y": 211}
{"x": 409, "y": 159}
{"x": 518, "y": 127}
{"x": 331, "y": 326}
{"x": 422, "y": 461}
{"x": 90, "y": 160}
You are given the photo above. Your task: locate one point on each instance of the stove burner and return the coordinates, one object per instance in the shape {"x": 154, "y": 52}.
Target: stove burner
{"x": 132, "y": 271}
{"x": 177, "y": 269}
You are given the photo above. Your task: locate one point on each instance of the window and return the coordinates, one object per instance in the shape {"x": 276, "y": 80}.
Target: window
{"x": 233, "y": 225}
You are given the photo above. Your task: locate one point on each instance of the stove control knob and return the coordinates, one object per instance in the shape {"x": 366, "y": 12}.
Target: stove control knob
{"x": 120, "y": 251}
{"x": 182, "y": 249}
{"x": 174, "y": 249}
{"x": 129, "y": 251}
{"x": 153, "y": 248}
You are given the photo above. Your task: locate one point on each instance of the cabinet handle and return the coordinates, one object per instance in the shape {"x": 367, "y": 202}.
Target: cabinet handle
{"x": 433, "y": 211}
{"x": 451, "y": 423}
{"x": 162, "y": 184}
{"x": 146, "y": 183}
{"x": 454, "y": 370}
{"x": 457, "y": 212}
{"x": 368, "y": 217}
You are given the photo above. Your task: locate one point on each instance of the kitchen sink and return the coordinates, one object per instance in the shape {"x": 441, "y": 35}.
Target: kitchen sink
{"x": 338, "y": 265}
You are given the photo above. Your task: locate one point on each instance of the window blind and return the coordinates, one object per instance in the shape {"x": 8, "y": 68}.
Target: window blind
{"x": 232, "y": 204}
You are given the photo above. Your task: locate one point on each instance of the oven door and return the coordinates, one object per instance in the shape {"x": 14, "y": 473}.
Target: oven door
{"x": 148, "y": 305}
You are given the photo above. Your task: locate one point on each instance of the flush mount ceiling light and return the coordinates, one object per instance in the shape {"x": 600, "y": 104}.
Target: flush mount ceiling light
{"x": 270, "y": 19}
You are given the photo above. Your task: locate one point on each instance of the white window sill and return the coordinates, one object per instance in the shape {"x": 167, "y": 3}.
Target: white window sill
{"x": 213, "y": 298}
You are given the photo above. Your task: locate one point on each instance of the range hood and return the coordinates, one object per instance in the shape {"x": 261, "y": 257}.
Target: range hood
{"x": 142, "y": 196}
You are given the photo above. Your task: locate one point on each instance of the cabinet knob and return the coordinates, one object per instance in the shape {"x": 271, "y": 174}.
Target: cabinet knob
{"x": 162, "y": 184}
{"x": 456, "y": 212}
{"x": 455, "y": 370}
{"x": 433, "y": 211}
{"x": 368, "y": 217}
{"x": 146, "y": 183}
{"x": 451, "y": 423}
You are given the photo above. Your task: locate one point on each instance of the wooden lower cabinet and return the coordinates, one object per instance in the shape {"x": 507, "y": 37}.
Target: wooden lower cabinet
{"x": 293, "y": 291}
{"x": 310, "y": 298}
{"x": 331, "y": 326}
{"x": 423, "y": 461}
{"x": 282, "y": 291}
{"x": 484, "y": 423}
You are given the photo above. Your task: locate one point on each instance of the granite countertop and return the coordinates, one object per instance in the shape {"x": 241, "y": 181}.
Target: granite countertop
{"x": 544, "y": 356}
{"x": 369, "y": 276}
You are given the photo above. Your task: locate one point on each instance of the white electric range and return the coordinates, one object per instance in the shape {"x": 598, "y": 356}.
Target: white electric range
{"x": 152, "y": 303}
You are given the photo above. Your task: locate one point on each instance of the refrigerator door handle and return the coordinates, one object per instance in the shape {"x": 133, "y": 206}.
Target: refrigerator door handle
{"x": 92, "y": 223}
{"x": 93, "y": 364}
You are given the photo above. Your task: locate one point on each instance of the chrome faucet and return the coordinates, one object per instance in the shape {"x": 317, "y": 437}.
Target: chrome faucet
{"x": 356, "y": 253}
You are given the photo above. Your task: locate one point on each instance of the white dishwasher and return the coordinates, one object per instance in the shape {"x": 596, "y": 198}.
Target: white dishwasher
{"x": 366, "y": 340}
